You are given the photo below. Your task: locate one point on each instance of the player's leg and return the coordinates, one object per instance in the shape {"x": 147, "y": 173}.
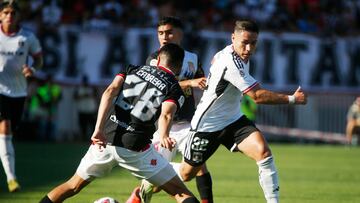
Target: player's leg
{"x": 150, "y": 165}
{"x": 65, "y": 190}
{"x": 10, "y": 114}
{"x": 204, "y": 185}
{"x": 96, "y": 163}
{"x": 256, "y": 147}
{"x": 180, "y": 132}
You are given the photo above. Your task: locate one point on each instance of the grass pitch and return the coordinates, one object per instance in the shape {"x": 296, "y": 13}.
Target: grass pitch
{"x": 308, "y": 173}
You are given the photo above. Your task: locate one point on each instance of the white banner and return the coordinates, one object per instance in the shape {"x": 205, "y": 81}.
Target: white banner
{"x": 281, "y": 60}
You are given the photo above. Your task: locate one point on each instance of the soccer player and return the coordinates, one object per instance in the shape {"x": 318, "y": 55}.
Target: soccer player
{"x": 170, "y": 30}
{"x": 219, "y": 120}
{"x": 353, "y": 123}
{"x": 16, "y": 45}
{"x": 125, "y": 125}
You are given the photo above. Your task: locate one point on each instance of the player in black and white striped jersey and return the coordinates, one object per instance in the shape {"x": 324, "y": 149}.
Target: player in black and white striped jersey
{"x": 16, "y": 44}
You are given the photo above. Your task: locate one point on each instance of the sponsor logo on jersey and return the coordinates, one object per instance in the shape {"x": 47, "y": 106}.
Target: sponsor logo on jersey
{"x": 120, "y": 123}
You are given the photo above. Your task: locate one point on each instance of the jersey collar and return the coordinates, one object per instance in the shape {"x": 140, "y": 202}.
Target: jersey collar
{"x": 166, "y": 70}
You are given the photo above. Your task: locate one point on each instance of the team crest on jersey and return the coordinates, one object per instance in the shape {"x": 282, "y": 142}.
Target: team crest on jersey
{"x": 153, "y": 62}
{"x": 21, "y": 43}
{"x": 242, "y": 74}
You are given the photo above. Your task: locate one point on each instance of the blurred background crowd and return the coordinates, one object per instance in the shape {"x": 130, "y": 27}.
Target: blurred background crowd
{"x": 319, "y": 17}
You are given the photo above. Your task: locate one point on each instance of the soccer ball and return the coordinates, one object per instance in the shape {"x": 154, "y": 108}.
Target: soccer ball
{"x": 106, "y": 200}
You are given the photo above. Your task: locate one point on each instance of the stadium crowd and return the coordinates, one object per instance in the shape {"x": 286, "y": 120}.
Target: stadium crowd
{"x": 321, "y": 17}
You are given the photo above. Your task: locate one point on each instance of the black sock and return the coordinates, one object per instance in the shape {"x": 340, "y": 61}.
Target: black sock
{"x": 204, "y": 186}
{"x": 191, "y": 200}
{"x": 45, "y": 199}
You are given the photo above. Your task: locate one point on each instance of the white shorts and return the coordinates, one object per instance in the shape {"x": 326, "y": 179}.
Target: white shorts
{"x": 143, "y": 165}
{"x": 179, "y": 131}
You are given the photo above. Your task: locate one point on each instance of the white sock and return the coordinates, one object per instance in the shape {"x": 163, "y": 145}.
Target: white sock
{"x": 268, "y": 179}
{"x": 7, "y": 155}
{"x": 176, "y": 167}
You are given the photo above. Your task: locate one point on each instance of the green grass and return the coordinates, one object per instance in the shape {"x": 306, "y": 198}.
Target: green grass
{"x": 308, "y": 173}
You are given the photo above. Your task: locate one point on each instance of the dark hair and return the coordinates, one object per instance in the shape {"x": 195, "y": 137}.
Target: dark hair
{"x": 172, "y": 20}
{"x": 174, "y": 55}
{"x": 9, "y": 3}
{"x": 246, "y": 25}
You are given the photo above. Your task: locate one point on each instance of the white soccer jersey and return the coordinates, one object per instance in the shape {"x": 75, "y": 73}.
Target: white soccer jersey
{"x": 14, "y": 50}
{"x": 189, "y": 66}
{"x": 228, "y": 79}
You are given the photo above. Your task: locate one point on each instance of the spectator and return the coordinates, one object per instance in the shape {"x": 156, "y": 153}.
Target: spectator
{"x": 353, "y": 123}
{"x": 43, "y": 108}
{"x": 86, "y": 103}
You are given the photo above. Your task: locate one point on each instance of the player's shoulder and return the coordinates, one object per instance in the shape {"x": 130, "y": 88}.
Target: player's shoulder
{"x": 224, "y": 56}
{"x": 27, "y": 32}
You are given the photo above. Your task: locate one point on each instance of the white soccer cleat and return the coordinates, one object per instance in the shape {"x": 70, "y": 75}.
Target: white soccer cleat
{"x": 146, "y": 191}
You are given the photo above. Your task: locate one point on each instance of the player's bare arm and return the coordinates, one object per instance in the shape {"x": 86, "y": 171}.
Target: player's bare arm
{"x": 29, "y": 71}
{"x": 106, "y": 101}
{"x": 168, "y": 110}
{"x": 263, "y": 96}
{"x": 197, "y": 82}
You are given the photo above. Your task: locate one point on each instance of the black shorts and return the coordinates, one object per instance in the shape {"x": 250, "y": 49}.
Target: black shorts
{"x": 201, "y": 145}
{"x": 11, "y": 108}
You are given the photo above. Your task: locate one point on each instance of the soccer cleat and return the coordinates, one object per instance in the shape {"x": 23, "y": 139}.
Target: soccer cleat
{"x": 146, "y": 191}
{"x": 13, "y": 186}
{"x": 134, "y": 198}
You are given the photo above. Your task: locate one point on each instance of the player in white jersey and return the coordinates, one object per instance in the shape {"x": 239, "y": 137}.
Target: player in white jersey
{"x": 16, "y": 44}
{"x": 170, "y": 30}
{"x": 218, "y": 118}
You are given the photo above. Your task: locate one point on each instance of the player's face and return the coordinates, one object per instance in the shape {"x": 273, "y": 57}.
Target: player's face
{"x": 9, "y": 16}
{"x": 244, "y": 43}
{"x": 169, "y": 34}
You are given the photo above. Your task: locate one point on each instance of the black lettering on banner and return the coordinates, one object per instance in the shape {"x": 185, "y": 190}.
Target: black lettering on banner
{"x": 71, "y": 66}
{"x": 268, "y": 51}
{"x": 327, "y": 63}
{"x": 50, "y": 42}
{"x": 144, "y": 51}
{"x": 115, "y": 57}
{"x": 354, "y": 69}
{"x": 292, "y": 50}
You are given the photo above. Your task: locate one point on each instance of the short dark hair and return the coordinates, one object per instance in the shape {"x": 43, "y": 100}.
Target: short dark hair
{"x": 246, "y": 25}
{"x": 9, "y": 3}
{"x": 172, "y": 20}
{"x": 174, "y": 54}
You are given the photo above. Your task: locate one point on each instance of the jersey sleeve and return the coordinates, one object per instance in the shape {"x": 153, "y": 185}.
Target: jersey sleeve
{"x": 35, "y": 48}
{"x": 239, "y": 77}
{"x": 176, "y": 96}
{"x": 125, "y": 71}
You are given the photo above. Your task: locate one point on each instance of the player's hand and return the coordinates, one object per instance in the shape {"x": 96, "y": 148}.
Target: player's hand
{"x": 168, "y": 143}
{"x": 199, "y": 83}
{"x": 27, "y": 71}
{"x": 300, "y": 96}
{"x": 99, "y": 138}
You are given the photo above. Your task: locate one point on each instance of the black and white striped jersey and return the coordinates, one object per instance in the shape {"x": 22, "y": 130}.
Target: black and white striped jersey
{"x": 228, "y": 79}
{"x": 14, "y": 50}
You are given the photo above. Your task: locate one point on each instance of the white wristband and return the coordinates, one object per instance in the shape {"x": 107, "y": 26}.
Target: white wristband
{"x": 33, "y": 69}
{"x": 291, "y": 99}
